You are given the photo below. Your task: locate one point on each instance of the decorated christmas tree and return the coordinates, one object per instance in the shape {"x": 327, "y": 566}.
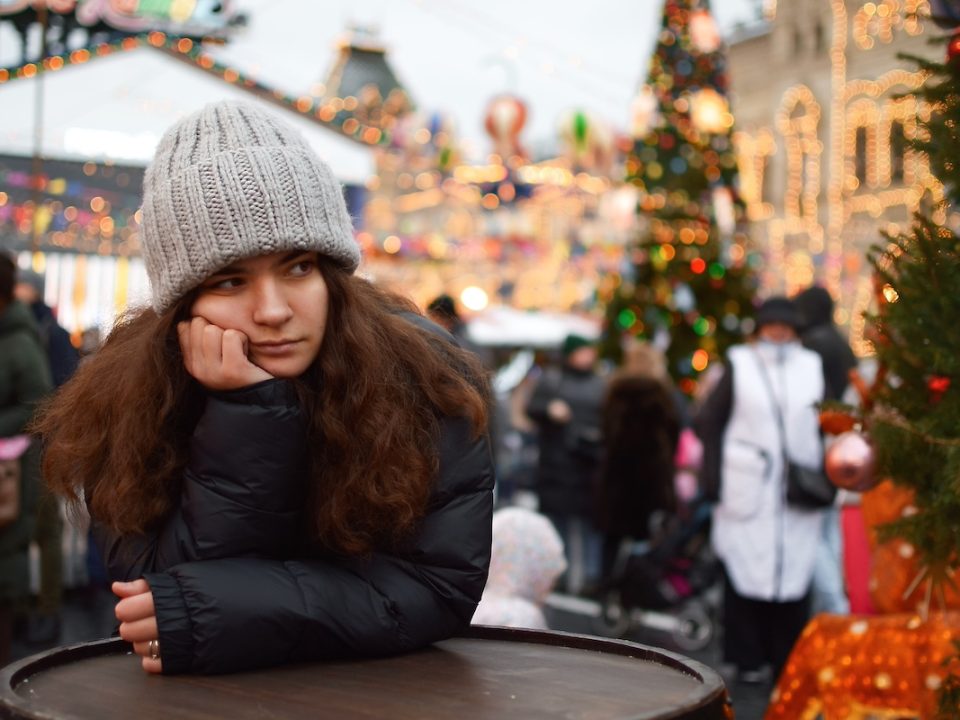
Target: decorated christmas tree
{"x": 691, "y": 279}
{"x": 914, "y": 422}
{"x": 903, "y": 442}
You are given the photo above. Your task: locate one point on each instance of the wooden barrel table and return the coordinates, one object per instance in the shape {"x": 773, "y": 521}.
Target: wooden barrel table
{"x": 485, "y": 673}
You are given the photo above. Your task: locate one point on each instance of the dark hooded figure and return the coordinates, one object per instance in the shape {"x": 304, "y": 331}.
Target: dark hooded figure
{"x": 640, "y": 430}
{"x": 62, "y": 355}
{"x": 818, "y": 333}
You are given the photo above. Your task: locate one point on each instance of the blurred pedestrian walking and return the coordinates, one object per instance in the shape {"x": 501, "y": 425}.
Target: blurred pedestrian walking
{"x": 61, "y": 354}
{"x": 820, "y": 334}
{"x": 24, "y": 382}
{"x": 641, "y": 428}
{"x": 443, "y": 311}
{"x": 44, "y": 621}
{"x": 762, "y": 412}
{"x": 566, "y": 406}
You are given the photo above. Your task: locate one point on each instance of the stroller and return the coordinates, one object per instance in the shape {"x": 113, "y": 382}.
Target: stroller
{"x": 670, "y": 583}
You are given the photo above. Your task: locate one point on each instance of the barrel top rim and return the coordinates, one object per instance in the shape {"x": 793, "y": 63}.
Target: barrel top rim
{"x": 708, "y": 682}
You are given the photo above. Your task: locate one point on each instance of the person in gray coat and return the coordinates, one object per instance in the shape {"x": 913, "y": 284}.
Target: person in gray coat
{"x": 566, "y": 405}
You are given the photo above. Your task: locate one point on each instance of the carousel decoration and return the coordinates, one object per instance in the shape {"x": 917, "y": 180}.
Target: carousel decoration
{"x": 589, "y": 143}
{"x": 110, "y": 21}
{"x": 505, "y": 117}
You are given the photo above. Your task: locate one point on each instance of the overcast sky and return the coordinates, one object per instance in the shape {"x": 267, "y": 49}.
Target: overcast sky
{"x": 454, "y": 55}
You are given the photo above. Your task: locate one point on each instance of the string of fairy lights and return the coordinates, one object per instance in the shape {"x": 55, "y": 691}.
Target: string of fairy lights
{"x": 799, "y": 239}
{"x": 878, "y": 21}
{"x": 864, "y": 189}
{"x": 335, "y": 112}
{"x": 76, "y": 218}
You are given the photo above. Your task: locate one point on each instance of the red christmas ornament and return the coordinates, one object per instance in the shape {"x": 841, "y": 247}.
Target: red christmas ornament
{"x": 953, "y": 47}
{"x": 850, "y": 462}
{"x": 937, "y": 385}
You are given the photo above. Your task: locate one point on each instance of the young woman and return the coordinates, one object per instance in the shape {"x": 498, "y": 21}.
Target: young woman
{"x": 282, "y": 462}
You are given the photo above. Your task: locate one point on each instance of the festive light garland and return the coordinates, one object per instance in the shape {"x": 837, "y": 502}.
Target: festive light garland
{"x": 879, "y": 20}
{"x": 91, "y": 215}
{"x": 336, "y": 113}
{"x": 803, "y": 150}
{"x": 753, "y": 154}
{"x": 855, "y": 104}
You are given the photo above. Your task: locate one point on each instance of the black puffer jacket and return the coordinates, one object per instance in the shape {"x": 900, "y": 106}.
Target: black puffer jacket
{"x": 569, "y": 452}
{"x": 235, "y": 587}
{"x": 822, "y": 336}
{"x": 640, "y": 432}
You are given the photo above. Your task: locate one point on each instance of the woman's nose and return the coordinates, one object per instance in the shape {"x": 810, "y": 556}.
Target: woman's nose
{"x": 271, "y": 305}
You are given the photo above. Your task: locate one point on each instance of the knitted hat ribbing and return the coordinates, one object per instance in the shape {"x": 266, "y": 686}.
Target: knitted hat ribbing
{"x": 231, "y": 181}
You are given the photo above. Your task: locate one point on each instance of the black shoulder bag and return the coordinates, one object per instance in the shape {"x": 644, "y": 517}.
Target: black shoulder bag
{"x": 807, "y": 488}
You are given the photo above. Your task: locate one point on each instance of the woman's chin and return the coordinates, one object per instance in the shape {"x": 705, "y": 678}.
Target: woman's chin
{"x": 282, "y": 369}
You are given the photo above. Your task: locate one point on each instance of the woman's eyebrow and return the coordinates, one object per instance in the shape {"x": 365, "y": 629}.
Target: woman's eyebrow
{"x": 233, "y": 269}
{"x": 291, "y": 256}
{"x": 239, "y": 268}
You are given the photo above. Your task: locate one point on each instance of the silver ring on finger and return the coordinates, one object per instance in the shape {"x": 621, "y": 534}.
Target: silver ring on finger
{"x": 153, "y": 648}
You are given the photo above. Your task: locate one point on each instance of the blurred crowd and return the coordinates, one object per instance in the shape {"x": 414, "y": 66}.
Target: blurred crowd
{"x": 41, "y": 552}
{"x": 612, "y": 485}
{"x": 656, "y": 497}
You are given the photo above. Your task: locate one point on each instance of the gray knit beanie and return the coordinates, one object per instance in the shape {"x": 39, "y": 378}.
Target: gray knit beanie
{"x": 231, "y": 181}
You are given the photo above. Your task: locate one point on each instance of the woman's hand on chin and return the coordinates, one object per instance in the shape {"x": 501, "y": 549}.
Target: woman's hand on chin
{"x": 217, "y": 358}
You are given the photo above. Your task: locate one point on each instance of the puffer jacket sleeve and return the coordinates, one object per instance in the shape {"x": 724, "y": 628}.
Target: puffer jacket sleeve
{"x": 242, "y": 492}
{"x": 236, "y": 614}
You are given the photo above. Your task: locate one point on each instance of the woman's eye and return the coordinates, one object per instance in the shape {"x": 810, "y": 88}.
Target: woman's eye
{"x": 303, "y": 267}
{"x": 229, "y": 283}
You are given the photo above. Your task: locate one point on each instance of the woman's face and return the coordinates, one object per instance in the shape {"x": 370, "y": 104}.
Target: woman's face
{"x": 777, "y": 332}
{"x": 278, "y": 301}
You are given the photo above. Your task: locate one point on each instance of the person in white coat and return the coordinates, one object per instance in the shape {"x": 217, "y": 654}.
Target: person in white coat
{"x": 767, "y": 398}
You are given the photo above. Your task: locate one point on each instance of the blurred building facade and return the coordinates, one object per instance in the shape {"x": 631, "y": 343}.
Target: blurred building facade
{"x": 824, "y": 113}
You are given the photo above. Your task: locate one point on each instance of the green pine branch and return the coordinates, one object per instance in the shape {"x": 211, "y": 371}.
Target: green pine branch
{"x": 915, "y": 421}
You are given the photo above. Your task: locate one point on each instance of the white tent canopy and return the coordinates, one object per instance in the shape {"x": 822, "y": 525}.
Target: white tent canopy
{"x": 505, "y": 326}
{"x": 117, "y": 107}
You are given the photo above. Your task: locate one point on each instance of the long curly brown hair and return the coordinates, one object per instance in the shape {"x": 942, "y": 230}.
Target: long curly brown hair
{"x": 120, "y": 429}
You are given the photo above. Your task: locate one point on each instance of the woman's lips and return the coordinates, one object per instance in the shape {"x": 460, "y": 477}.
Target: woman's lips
{"x": 273, "y": 349}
